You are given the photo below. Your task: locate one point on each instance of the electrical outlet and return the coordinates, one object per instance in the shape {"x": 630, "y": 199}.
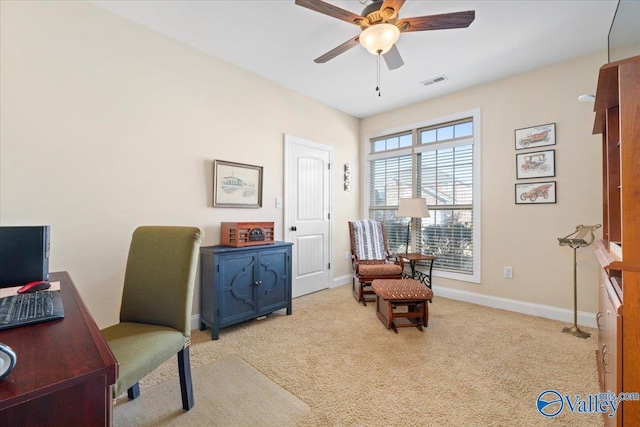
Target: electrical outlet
{"x": 508, "y": 272}
{"x": 346, "y": 255}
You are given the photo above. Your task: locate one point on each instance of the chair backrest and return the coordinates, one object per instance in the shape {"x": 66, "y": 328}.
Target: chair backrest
{"x": 160, "y": 275}
{"x": 368, "y": 240}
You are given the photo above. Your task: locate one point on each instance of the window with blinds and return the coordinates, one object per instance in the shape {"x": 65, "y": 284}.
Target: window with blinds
{"x": 437, "y": 163}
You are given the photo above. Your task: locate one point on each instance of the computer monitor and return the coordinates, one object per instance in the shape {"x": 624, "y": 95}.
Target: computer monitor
{"x": 24, "y": 255}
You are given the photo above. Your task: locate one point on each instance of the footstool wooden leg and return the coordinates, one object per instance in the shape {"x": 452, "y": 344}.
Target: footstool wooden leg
{"x": 390, "y": 323}
{"x": 426, "y": 314}
{"x": 418, "y": 309}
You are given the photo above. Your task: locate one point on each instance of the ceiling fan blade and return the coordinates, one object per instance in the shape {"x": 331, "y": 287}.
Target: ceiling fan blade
{"x": 337, "y": 50}
{"x": 393, "y": 58}
{"x": 331, "y": 10}
{"x": 443, "y": 21}
{"x": 392, "y": 4}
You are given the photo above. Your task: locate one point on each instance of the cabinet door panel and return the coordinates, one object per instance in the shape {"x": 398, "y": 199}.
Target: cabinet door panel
{"x": 610, "y": 327}
{"x": 601, "y": 320}
{"x": 237, "y": 287}
{"x": 272, "y": 272}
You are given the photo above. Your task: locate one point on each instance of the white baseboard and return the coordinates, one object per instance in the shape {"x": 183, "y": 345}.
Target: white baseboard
{"x": 195, "y": 321}
{"x": 546, "y": 311}
{"x": 339, "y": 281}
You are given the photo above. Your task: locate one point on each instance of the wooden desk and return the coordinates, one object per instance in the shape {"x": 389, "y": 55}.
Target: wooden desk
{"x": 64, "y": 369}
{"x": 424, "y": 278}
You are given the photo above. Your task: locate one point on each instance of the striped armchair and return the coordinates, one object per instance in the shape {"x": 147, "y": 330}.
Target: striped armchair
{"x": 370, "y": 258}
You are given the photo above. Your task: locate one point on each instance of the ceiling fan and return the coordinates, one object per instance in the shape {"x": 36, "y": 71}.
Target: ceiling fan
{"x": 381, "y": 26}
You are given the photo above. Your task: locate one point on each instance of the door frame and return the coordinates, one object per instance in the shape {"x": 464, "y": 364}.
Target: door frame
{"x": 288, "y": 140}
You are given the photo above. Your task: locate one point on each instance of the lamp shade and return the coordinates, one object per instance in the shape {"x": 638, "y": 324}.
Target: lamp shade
{"x": 413, "y": 208}
{"x": 379, "y": 38}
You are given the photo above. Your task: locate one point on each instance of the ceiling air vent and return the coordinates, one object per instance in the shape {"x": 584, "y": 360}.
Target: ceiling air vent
{"x": 434, "y": 80}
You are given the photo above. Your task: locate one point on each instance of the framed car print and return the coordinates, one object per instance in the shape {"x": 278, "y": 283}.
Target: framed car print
{"x": 536, "y": 193}
{"x": 536, "y": 164}
{"x": 536, "y": 136}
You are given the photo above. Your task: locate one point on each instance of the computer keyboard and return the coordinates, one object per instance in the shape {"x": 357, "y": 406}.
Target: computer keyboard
{"x": 28, "y": 308}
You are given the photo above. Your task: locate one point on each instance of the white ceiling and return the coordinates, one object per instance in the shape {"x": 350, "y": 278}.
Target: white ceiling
{"x": 279, "y": 40}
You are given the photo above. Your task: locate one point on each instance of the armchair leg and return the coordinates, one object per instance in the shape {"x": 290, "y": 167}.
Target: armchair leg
{"x": 184, "y": 370}
{"x": 364, "y": 301}
{"x": 133, "y": 391}
{"x": 357, "y": 288}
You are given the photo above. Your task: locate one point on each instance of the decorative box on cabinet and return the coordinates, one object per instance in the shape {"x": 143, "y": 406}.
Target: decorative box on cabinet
{"x": 239, "y": 284}
{"x": 617, "y": 108}
{"x": 240, "y": 234}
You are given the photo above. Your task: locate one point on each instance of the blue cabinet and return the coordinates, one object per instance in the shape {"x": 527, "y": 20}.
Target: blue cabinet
{"x": 238, "y": 284}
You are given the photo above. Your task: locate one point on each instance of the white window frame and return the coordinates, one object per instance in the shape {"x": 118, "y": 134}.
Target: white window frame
{"x": 475, "y": 114}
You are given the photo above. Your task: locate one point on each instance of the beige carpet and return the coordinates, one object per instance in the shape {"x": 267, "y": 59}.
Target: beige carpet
{"x": 230, "y": 392}
{"x": 472, "y": 366}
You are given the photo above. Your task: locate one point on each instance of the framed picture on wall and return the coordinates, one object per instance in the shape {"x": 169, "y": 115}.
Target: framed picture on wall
{"x": 236, "y": 185}
{"x": 536, "y": 193}
{"x": 536, "y": 164}
{"x": 536, "y": 136}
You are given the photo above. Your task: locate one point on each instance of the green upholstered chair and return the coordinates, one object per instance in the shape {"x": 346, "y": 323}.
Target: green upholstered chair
{"x": 156, "y": 307}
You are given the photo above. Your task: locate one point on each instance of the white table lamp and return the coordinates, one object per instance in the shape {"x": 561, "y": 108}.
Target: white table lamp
{"x": 412, "y": 208}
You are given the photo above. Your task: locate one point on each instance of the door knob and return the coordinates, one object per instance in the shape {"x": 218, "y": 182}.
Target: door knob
{"x": 294, "y": 228}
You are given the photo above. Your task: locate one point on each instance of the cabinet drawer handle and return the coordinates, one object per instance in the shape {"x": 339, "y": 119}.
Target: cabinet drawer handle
{"x": 257, "y": 282}
{"x": 603, "y": 353}
{"x": 598, "y": 316}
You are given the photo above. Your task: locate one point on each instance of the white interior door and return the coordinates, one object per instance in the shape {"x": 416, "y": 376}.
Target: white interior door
{"x": 307, "y": 213}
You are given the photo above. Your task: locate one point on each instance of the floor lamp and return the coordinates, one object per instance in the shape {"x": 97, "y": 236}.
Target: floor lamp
{"x": 575, "y": 240}
{"x": 412, "y": 208}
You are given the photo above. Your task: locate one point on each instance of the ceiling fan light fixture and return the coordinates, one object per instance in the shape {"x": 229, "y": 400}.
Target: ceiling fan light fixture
{"x": 379, "y": 38}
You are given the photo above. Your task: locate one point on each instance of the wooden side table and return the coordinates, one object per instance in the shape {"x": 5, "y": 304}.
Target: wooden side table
{"x": 412, "y": 257}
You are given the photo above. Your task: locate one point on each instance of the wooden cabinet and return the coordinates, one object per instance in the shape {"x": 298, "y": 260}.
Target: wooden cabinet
{"x": 617, "y": 108}
{"x": 238, "y": 284}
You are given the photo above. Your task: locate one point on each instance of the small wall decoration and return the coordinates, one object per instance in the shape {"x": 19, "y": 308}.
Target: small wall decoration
{"x": 536, "y": 193}
{"x": 536, "y": 136}
{"x": 347, "y": 177}
{"x": 236, "y": 185}
{"x": 536, "y": 164}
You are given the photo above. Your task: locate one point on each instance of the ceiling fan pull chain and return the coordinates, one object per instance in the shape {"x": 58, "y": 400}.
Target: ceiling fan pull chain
{"x": 378, "y": 76}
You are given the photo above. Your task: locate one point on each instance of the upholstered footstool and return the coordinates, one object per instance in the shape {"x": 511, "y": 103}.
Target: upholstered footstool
{"x": 408, "y": 294}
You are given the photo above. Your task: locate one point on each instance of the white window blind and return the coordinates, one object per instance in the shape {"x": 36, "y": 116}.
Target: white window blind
{"x": 391, "y": 180}
{"x": 445, "y": 180}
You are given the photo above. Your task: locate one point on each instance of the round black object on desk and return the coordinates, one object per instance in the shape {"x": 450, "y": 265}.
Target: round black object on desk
{"x": 7, "y": 360}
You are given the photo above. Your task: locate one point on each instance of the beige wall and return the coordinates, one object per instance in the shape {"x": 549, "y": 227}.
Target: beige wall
{"x": 106, "y": 125}
{"x": 525, "y": 236}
